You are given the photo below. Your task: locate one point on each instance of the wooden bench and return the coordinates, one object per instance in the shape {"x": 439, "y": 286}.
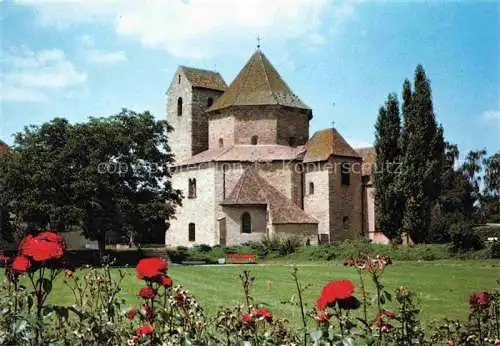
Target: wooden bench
{"x": 241, "y": 258}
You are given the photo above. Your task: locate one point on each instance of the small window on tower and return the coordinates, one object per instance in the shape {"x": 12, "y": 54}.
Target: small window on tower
{"x": 179, "y": 106}
{"x": 255, "y": 140}
{"x": 192, "y": 232}
{"x": 192, "y": 188}
{"x": 311, "y": 188}
{"x": 345, "y": 173}
{"x": 179, "y": 81}
{"x": 345, "y": 223}
{"x": 210, "y": 101}
{"x": 221, "y": 143}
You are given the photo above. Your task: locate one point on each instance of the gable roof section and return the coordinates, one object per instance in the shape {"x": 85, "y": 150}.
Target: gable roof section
{"x": 252, "y": 189}
{"x": 326, "y": 143}
{"x": 258, "y": 83}
{"x": 204, "y": 78}
{"x": 246, "y": 153}
{"x": 369, "y": 156}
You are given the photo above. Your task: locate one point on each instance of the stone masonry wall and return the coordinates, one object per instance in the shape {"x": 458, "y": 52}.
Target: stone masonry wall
{"x": 302, "y": 231}
{"x": 292, "y": 125}
{"x": 180, "y": 140}
{"x": 199, "y": 104}
{"x": 272, "y": 125}
{"x": 199, "y": 210}
{"x": 233, "y": 224}
{"x": 220, "y": 126}
{"x": 317, "y": 204}
{"x": 345, "y": 200}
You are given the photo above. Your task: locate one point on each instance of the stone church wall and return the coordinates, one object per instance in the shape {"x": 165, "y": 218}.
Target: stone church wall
{"x": 345, "y": 201}
{"x": 233, "y": 223}
{"x": 199, "y": 210}
{"x": 302, "y": 231}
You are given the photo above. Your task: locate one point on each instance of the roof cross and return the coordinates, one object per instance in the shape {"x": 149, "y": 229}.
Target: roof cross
{"x": 259, "y": 40}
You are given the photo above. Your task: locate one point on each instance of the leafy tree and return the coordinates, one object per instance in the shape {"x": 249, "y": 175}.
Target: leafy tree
{"x": 422, "y": 146}
{"x": 490, "y": 199}
{"x": 387, "y": 197}
{"x": 456, "y": 202}
{"x": 472, "y": 168}
{"x": 108, "y": 175}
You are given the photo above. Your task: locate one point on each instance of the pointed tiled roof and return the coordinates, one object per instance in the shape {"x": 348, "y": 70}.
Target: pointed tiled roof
{"x": 204, "y": 78}
{"x": 325, "y": 143}
{"x": 258, "y": 83}
{"x": 252, "y": 189}
{"x": 369, "y": 156}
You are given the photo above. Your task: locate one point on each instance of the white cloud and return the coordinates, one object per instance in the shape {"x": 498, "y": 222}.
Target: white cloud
{"x": 358, "y": 143}
{"x": 199, "y": 28}
{"x": 97, "y": 56}
{"x": 491, "y": 116}
{"x": 28, "y": 75}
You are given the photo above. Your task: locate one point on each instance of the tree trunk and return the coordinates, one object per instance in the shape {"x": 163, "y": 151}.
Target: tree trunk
{"x": 102, "y": 246}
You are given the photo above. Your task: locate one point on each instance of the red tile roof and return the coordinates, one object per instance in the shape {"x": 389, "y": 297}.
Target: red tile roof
{"x": 326, "y": 143}
{"x": 204, "y": 78}
{"x": 258, "y": 83}
{"x": 247, "y": 153}
{"x": 252, "y": 189}
{"x": 369, "y": 157}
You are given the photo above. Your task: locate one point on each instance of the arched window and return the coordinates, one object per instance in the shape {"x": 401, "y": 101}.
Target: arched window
{"x": 192, "y": 188}
{"x": 210, "y": 101}
{"x": 255, "y": 140}
{"x": 345, "y": 223}
{"x": 221, "y": 143}
{"x": 311, "y": 188}
{"x": 179, "y": 106}
{"x": 345, "y": 169}
{"x": 192, "y": 232}
{"x": 246, "y": 223}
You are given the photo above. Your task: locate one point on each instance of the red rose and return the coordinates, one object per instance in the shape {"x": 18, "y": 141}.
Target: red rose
{"x": 165, "y": 281}
{"x": 147, "y": 292}
{"x": 149, "y": 268}
{"x": 246, "y": 317}
{"x": 131, "y": 314}
{"x": 266, "y": 314}
{"x": 21, "y": 264}
{"x": 144, "y": 330}
{"x": 51, "y": 236}
{"x": 479, "y": 299}
{"x": 335, "y": 290}
{"x": 40, "y": 249}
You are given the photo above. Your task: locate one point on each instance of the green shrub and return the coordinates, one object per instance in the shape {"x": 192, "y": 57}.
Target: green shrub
{"x": 463, "y": 238}
{"x": 493, "y": 249}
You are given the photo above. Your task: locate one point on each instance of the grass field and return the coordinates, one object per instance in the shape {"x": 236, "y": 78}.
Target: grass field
{"x": 443, "y": 287}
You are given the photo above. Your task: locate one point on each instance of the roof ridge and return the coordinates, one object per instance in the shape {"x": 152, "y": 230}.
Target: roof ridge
{"x": 261, "y": 57}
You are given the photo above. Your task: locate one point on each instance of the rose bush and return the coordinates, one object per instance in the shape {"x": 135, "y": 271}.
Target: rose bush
{"x": 168, "y": 314}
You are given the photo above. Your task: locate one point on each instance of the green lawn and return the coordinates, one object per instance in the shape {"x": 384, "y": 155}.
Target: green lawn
{"x": 443, "y": 286}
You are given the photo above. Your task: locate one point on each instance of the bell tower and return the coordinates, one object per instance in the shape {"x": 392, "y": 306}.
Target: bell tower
{"x": 190, "y": 93}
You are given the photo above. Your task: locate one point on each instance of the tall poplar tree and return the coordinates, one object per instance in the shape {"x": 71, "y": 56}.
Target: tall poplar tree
{"x": 422, "y": 146}
{"x": 387, "y": 197}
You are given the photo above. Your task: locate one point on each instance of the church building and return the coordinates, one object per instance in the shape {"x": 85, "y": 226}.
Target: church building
{"x": 248, "y": 167}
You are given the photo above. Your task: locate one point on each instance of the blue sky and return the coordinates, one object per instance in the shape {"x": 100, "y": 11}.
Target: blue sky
{"x": 81, "y": 58}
